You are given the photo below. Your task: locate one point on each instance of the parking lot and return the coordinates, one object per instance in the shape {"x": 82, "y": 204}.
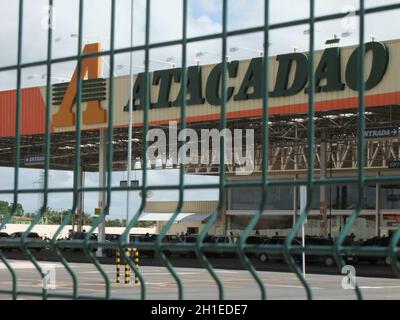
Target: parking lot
{"x": 197, "y": 283}
{"x": 377, "y": 280}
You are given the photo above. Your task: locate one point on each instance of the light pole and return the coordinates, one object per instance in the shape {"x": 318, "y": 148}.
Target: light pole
{"x": 44, "y": 76}
{"x": 172, "y": 58}
{"x": 109, "y": 68}
{"x": 171, "y": 64}
{"x": 335, "y": 38}
{"x": 122, "y": 66}
{"x": 86, "y": 40}
{"x": 130, "y": 129}
{"x": 203, "y": 53}
{"x": 40, "y": 182}
{"x": 236, "y": 49}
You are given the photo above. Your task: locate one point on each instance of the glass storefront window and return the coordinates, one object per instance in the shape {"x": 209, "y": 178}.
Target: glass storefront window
{"x": 278, "y": 198}
{"x": 342, "y": 198}
{"x": 346, "y": 197}
{"x": 390, "y": 197}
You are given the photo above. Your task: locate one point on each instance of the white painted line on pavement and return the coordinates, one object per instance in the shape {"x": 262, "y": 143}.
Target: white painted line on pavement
{"x": 146, "y": 273}
{"x": 381, "y": 287}
{"x": 292, "y": 286}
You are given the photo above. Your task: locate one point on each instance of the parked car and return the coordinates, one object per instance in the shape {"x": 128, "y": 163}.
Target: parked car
{"x": 140, "y": 238}
{"x": 79, "y": 236}
{"x": 110, "y": 252}
{"x": 32, "y": 236}
{"x": 144, "y": 238}
{"x": 277, "y": 256}
{"x": 112, "y": 237}
{"x": 152, "y": 239}
{"x": 254, "y": 240}
{"x": 188, "y": 252}
{"x": 375, "y": 242}
{"x": 3, "y": 236}
{"x": 327, "y": 260}
{"x": 191, "y": 252}
{"x": 227, "y": 240}
{"x": 211, "y": 253}
{"x": 172, "y": 238}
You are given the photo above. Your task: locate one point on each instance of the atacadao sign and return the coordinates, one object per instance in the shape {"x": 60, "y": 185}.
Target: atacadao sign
{"x": 336, "y": 88}
{"x": 291, "y": 78}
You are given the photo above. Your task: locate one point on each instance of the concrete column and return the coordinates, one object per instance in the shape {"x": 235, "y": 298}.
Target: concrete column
{"x": 378, "y": 208}
{"x": 224, "y": 217}
{"x": 102, "y": 183}
{"x": 80, "y": 208}
{"x": 323, "y": 189}
{"x": 228, "y": 224}
{"x": 295, "y": 204}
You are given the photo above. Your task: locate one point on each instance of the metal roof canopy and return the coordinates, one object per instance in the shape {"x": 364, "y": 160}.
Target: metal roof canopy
{"x": 181, "y": 217}
{"x": 340, "y": 124}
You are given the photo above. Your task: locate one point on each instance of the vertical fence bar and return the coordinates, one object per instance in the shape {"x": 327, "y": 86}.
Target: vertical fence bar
{"x": 360, "y": 146}
{"x": 110, "y": 135}
{"x": 265, "y": 138}
{"x": 146, "y": 106}
{"x": 221, "y": 197}
{"x": 311, "y": 156}
{"x": 17, "y": 144}
{"x": 47, "y": 155}
{"x": 167, "y": 226}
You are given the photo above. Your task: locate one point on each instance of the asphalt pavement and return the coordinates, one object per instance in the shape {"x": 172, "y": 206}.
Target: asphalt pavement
{"x": 197, "y": 283}
{"x": 363, "y": 268}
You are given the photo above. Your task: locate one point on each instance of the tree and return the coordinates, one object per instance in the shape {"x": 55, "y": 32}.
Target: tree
{"x": 113, "y": 223}
{"x": 19, "y": 209}
{"x": 144, "y": 224}
{"x": 6, "y": 207}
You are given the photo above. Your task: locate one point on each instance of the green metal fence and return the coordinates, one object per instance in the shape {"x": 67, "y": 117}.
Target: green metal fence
{"x": 199, "y": 247}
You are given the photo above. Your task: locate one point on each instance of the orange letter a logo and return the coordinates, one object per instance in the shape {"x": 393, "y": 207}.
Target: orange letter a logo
{"x": 65, "y": 117}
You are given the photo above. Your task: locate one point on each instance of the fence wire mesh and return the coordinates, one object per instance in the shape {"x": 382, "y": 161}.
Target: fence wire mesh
{"x": 264, "y": 182}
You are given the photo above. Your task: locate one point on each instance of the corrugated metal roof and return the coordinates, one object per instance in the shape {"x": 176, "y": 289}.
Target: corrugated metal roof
{"x": 188, "y": 206}
{"x": 32, "y": 112}
{"x": 179, "y": 217}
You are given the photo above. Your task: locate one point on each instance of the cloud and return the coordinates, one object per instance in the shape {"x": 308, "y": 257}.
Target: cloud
{"x": 166, "y": 24}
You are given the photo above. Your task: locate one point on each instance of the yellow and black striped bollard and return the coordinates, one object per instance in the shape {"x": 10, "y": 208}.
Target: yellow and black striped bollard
{"x": 117, "y": 266}
{"x": 127, "y": 268}
{"x": 136, "y": 261}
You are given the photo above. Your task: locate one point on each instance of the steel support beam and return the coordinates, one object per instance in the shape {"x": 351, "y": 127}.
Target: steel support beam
{"x": 102, "y": 183}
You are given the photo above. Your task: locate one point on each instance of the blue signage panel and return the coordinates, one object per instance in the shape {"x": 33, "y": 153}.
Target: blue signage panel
{"x": 394, "y": 164}
{"x": 384, "y": 132}
{"x": 124, "y": 183}
{"x": 34, "y": 159}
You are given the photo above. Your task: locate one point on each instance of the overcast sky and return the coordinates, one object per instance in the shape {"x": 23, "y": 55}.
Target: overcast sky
{"x": 166, "y": 16}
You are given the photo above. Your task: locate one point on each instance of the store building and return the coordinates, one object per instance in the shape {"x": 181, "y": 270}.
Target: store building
{"x": 336, "y": 136}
